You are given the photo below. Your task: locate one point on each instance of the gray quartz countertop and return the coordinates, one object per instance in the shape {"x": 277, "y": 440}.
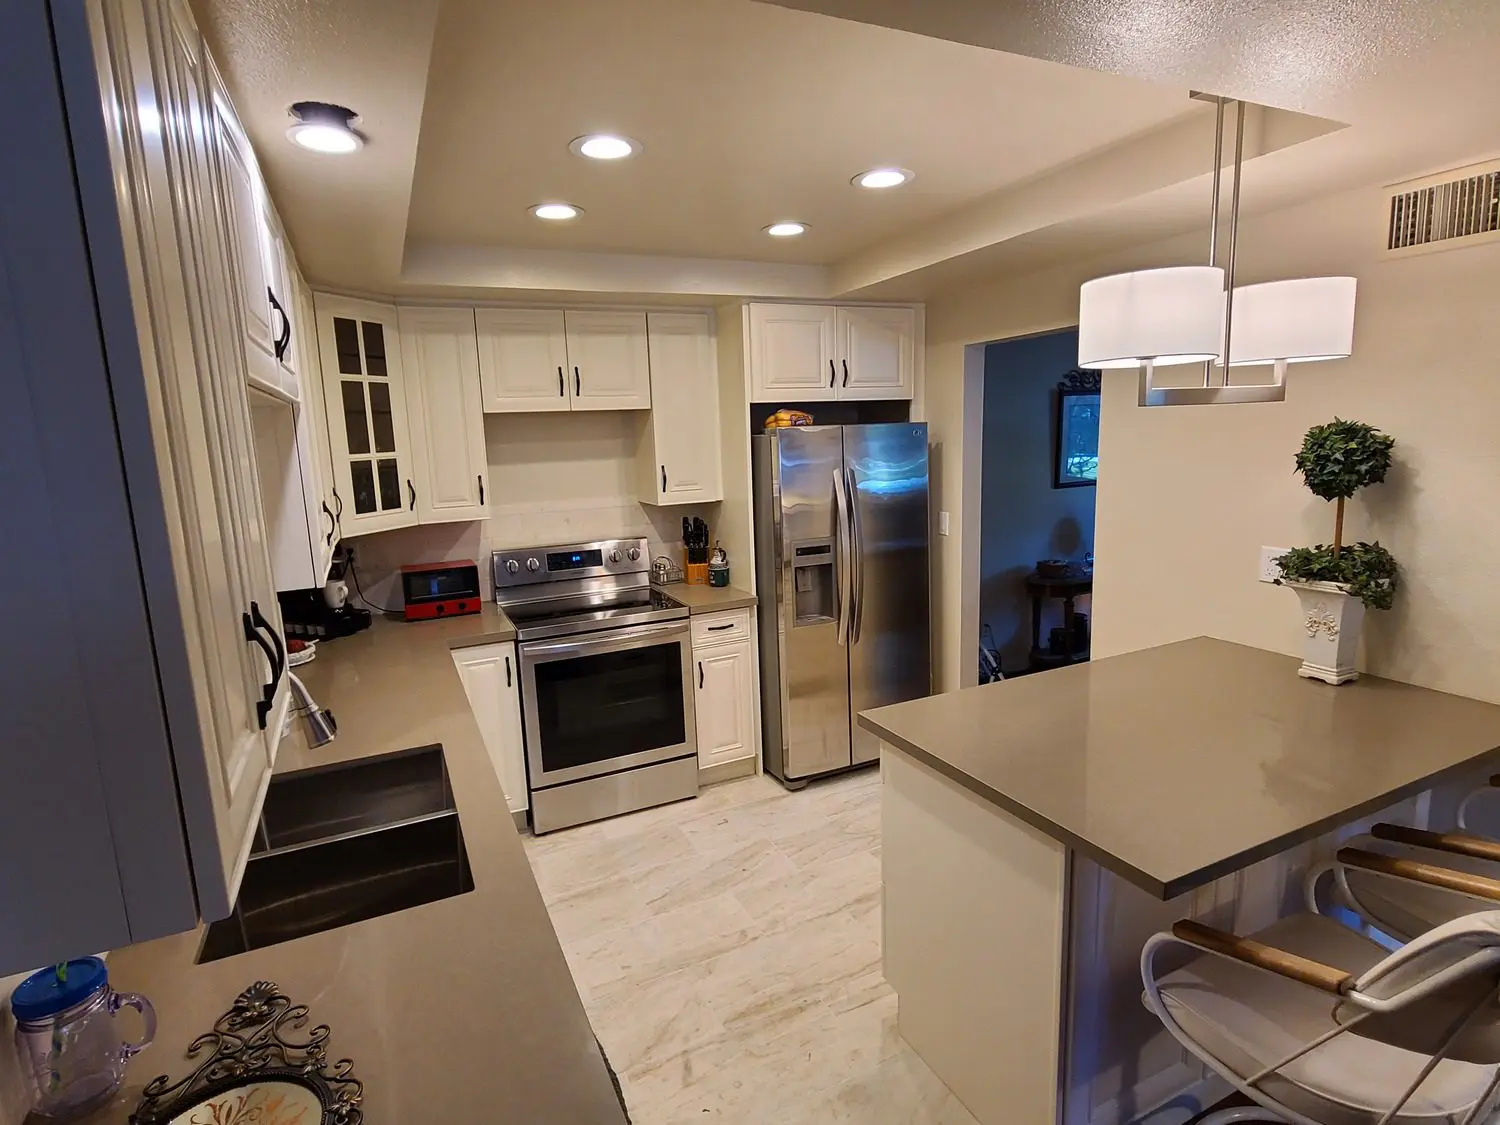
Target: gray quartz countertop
{"x": 1175, "y": 765}
{"x": 461, "y": 1010}
{"x": 708, "y": 599}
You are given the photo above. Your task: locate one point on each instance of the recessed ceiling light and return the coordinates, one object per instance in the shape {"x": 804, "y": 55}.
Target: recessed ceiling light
{"x": 556, "y": 212}
{"x": 604, "y": 146}
{"x": 323, "y": 127}
{"x": 883, "y": 178}
{"x": 786, "y": 229}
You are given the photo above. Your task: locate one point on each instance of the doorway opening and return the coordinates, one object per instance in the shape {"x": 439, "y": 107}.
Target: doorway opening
{"x": 1039, "y": 463}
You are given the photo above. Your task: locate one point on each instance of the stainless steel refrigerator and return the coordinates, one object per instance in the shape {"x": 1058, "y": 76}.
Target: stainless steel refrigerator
{"x": 841, "y": 553}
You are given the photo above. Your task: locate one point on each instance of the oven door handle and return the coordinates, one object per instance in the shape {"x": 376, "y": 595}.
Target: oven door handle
{"x": 606, "y": 640}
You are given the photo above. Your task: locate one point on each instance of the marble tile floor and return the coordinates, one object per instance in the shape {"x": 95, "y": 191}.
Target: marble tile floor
{"x": 728, "y": 952}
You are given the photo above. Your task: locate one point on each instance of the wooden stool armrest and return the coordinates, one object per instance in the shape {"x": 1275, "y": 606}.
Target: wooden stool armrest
{"x": 1304, "y": 970}
{"x": 1429, "y": 873}
{"x": 1455, "y": 843}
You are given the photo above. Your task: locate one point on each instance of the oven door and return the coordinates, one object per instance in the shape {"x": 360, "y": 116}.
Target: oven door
{"x": 607, "y": 702}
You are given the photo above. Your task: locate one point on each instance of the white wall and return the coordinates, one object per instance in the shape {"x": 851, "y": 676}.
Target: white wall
{"x": 1192, "y": 492}
{"x": 554, "y": 478}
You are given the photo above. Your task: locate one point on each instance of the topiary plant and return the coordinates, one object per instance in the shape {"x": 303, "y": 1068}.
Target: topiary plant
{"x": 1336, "y": 460}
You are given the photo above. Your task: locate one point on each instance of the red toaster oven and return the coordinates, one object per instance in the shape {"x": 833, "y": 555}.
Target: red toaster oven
{"x": 440, "y": 589}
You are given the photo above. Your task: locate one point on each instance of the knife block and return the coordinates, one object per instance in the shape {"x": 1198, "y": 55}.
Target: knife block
{"x": 695, "y": 574}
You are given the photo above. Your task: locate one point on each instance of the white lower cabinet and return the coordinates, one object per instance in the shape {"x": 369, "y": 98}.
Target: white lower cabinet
{"x": 492, "y": 681}
{"x": 724, "y": 676}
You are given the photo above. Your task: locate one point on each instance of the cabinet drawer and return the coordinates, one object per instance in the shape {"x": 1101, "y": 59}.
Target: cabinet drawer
{"x": 719, "y": 628}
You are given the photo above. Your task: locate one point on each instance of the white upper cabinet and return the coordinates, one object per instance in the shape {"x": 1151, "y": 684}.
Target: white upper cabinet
{"x": 246, "y": 222}
{"x": 608, "y": 360}
{"x": 679, "y": 460}
{"x": 792, "y": 353}
{"x": 821, "y": 353}
{"x": 444, "y": 414}
{"x": 877, "y": 352}
{"x": 282, "y": 296}
{"x": 359, "y": 344}
{"x": 523, "y": 360}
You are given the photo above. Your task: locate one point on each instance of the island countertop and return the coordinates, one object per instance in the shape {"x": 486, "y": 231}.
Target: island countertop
{"x": 1175, "y": 765}
{"x": 460, "y": 1010}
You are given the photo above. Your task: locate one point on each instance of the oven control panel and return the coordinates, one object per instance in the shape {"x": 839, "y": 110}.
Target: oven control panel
{"x": 525, "y": 566}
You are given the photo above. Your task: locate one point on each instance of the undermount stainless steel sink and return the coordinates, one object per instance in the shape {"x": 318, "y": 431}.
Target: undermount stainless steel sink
{"x": 343, "y": 844}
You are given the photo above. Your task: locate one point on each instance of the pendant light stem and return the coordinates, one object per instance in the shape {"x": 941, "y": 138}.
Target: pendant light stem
{"x": 1234, "y": 230}
{"x": 1213, "y": 221}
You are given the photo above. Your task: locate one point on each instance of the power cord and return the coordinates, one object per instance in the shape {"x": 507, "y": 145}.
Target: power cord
{"x": 354, "y": 574}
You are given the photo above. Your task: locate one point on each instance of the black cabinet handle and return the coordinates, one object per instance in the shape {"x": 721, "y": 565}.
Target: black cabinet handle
{"x": 338, "y": 516}
{"x": 481, "y": 488}
{"x": 577, "y": 383}
{"x": 284, "y": 337}
{"x": 832, "y": 374}
{"x": 845, "y": 362}
{"x": 561, "y": 389}
{"x": 412, "y": 492}
{"x": 663, "y": 478}
{"x": 254, "y": 623}
{"x": 507, "y": 671}
{"x": 333, "y": 524}
{"x": 720, "y": 628}
{"x": 700, "y": 675}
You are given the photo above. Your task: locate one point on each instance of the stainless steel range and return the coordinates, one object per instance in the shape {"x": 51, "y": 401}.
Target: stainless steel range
{"x": 606, "y": 689}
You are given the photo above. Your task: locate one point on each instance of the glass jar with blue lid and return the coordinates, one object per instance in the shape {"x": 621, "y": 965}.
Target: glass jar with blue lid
{"x": 72, "y": 1054}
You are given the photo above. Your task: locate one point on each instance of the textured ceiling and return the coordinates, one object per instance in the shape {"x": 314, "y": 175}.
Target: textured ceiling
{"x": 756, "y": 111}
{"x": 748, "y": 114}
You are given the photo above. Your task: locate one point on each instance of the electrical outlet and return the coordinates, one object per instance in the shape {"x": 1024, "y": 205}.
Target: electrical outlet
{"x": 1269, "y": 571}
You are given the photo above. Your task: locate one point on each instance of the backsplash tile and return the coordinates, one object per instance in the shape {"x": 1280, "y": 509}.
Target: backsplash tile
{"x": 576, "y": 473}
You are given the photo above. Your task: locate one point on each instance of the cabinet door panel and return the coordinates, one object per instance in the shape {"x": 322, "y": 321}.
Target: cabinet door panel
{"x": 367, "y": 426}
{"x": 725, "y": 730}
{"x": 608, "y": 360}
{"x": 877, "y": 353}
{"x": 441, "y": 365}
{"x": 242, "y": 200}
{"x": 523, "y": 360}
{"x": 791, "y": 353}
{"x": 686, "y": 466}
{"x": 492, "y": 681}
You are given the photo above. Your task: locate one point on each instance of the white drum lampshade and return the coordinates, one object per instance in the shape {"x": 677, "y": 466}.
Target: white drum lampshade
{"x": 1164, "y": 316}
{"x": 1300, "y": 320}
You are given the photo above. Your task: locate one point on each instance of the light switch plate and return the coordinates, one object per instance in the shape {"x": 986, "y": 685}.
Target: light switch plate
{"x": 1269, "y": 571}
{"x": 942, "y": 523}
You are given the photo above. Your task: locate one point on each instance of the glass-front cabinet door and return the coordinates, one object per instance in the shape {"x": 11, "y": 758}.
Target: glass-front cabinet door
{"x": 366, "y": 398}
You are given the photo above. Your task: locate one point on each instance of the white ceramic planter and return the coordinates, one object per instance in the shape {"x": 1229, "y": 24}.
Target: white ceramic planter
{"x": 1331, "y": 623}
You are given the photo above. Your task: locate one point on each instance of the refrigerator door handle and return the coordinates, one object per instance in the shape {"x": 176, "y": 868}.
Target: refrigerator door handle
{"x": 842, "y": 571}
{"x": 856, "y": 558}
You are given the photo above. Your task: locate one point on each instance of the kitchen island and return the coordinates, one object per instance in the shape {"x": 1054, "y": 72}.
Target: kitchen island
{"x": 460, "y": 1010}
{"x": 1037, "y": 830}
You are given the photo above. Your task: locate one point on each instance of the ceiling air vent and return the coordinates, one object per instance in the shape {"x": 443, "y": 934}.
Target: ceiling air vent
{"x": 1447, "y": 211}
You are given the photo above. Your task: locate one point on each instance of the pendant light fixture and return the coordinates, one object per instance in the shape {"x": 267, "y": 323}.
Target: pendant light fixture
{"x": 1195, "y": 314}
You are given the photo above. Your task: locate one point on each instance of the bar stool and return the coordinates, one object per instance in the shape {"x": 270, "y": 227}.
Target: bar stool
{"x": 1405, "y": 881}
{"x": 1319, "y": 1025}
